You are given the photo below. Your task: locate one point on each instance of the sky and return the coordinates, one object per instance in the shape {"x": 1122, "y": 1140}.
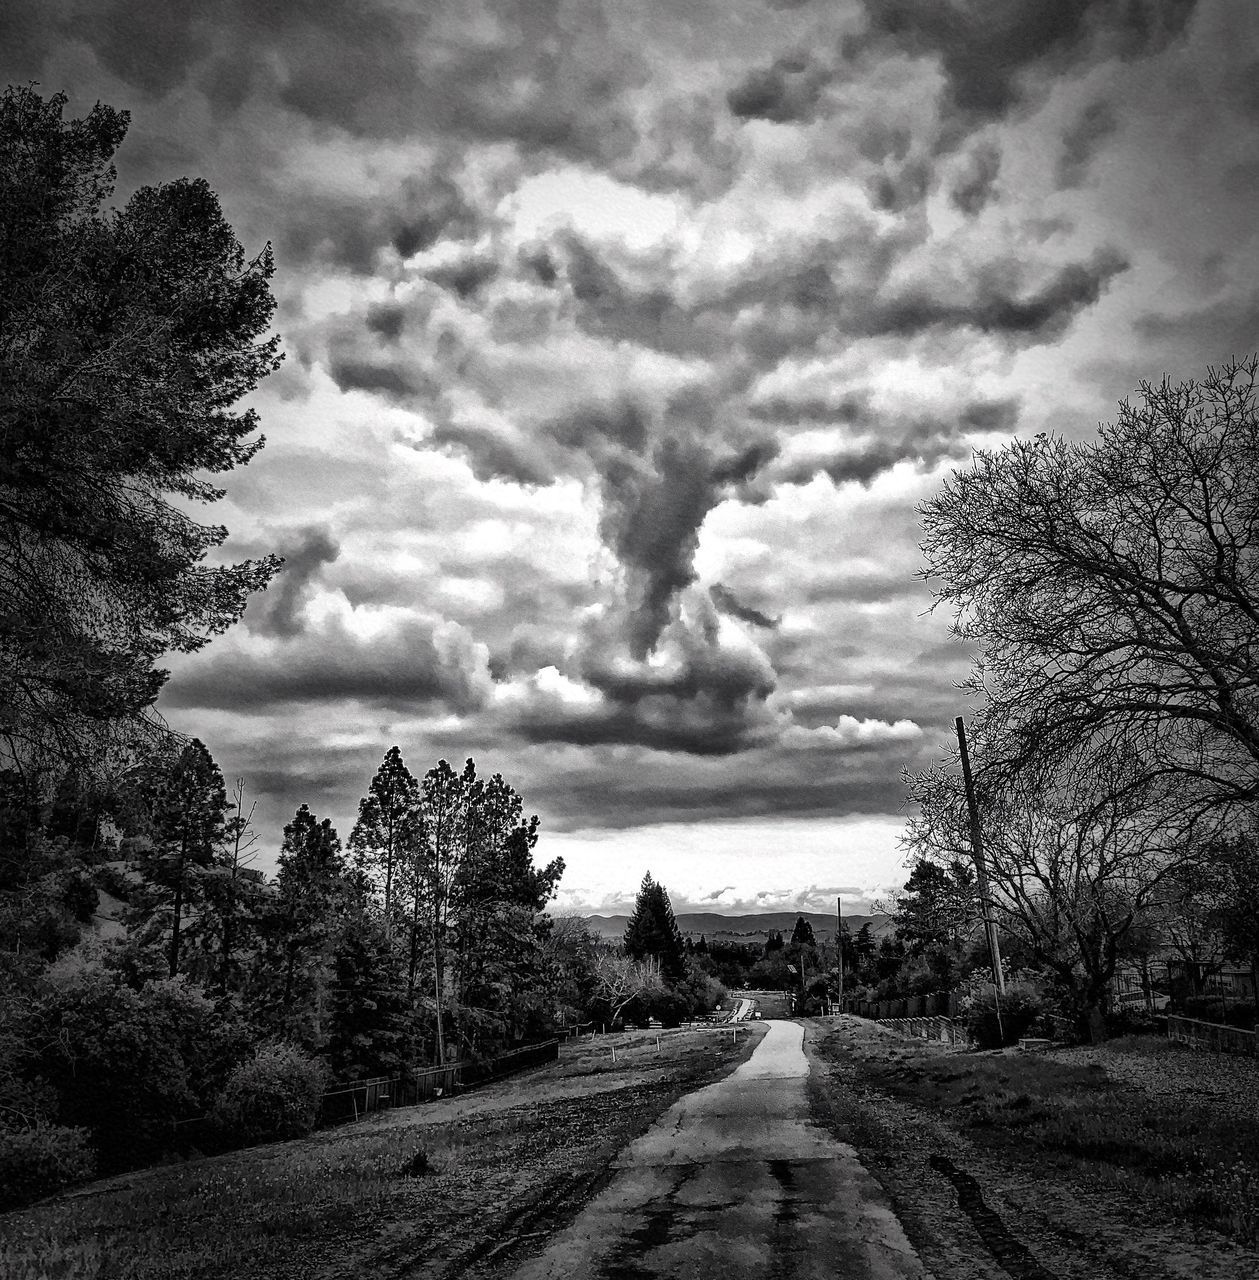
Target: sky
{"x": 623, "y": 339}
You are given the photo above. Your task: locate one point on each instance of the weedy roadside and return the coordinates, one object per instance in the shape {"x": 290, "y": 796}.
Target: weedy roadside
{"x": 1090, "y": 1152}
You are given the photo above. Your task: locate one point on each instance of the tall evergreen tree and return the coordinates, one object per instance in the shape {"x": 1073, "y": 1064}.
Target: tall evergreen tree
{"x": 389, "y": 829}
{"x": 125, "y": 338}
{"x": 187, "y": 803}
{"x": 802, "y": 934}
{"x": 368, "y": 1006}
{"x": 652, "y": 930}
{"x": 309, "y": 904}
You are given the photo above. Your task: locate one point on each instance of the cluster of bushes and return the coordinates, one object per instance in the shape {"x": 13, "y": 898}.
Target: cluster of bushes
{"x": 100, "y": 1073}
{"x": 40, "y": 1158}
{"x": 993, "y": 1022}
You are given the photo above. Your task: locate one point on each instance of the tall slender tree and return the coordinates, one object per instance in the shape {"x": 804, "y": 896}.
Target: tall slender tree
{"x": 187, "y": 803}
{"x": 389, "y": 829}
{"x": 310, "y": 900}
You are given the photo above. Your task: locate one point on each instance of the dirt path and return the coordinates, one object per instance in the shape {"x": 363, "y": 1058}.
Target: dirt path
{"x": 735, "y": 1180}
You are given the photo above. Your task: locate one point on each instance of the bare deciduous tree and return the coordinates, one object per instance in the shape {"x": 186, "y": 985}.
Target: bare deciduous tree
{"x": 1112, "y": 587}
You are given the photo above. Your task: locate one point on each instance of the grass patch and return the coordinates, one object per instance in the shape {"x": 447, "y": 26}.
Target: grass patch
{"x": 211, "y": 1217}
{"x": 265, "y": 1211}
{"x": 1199, "y": 1162}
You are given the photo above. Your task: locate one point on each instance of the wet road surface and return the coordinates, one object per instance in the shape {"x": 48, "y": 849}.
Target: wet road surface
{"x": 732, "y": 1182}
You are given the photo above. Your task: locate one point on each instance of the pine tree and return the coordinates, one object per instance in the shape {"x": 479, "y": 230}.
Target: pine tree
{"x": 652, "y": 930}
{"x": 389, "y": 829}
{"x": 187, "y": 801}
{"x": 310, "y": 900}
{"x": 802, "y": 934}
{"x": 368, "y": 1006}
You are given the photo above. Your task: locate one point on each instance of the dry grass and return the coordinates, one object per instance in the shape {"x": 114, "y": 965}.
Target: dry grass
{"x": 1200, "y": 1160}
{"x": 251, "y": 1212}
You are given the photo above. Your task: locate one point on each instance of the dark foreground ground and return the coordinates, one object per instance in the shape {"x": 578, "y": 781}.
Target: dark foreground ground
{"x": 1136, "y": 1162}
{"x": 462, "y": 1187}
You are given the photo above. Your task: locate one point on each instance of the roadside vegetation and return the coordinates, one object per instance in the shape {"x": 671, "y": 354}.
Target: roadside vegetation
{"x": 1107, "y": 1117}
{"x": 460, "y": 1183}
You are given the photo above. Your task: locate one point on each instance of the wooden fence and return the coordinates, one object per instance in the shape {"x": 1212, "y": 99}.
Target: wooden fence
{"x": 942, "y": 1004}
{"x": 935, "y": 1027}
{"x": 1210, "y": 1035}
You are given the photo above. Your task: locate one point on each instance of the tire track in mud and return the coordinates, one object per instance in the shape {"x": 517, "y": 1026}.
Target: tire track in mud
{"x": 1012, "y": 1255}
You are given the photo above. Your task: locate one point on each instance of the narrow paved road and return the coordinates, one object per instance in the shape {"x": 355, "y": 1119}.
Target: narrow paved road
{"x": 735, "y": 1182}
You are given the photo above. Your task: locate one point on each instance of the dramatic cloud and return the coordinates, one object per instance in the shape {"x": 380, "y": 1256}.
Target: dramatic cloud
{"x": 278, "y": 612}
{"x": 404, "y": 664}
{"x": 624, "y": 340}
{"x": 989, "y": 50}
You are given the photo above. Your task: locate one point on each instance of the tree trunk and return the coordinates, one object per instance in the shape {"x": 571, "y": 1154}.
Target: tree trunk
{"x": 437, "y": 995}
{"x": 178, "y": 908}
{"x": 229, "y": 933}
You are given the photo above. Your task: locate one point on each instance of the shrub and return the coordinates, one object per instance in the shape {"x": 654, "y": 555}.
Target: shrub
{"x": 1021, "y": 1006}
{"x": 276, "y": 1094}
{"x": 114, "y": 1060}
{"x": 37, "y": 1161}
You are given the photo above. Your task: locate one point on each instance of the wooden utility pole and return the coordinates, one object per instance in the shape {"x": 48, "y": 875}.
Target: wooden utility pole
{"x": 839, "y": 947}
{"x": 981, "y": 871}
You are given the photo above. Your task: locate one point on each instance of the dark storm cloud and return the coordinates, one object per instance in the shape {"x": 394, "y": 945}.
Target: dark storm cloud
{"x": 652, "y": 512}
{"x": 986, "y": 47}
{"x": 529, "y": 74}
{"x": 729, "y": 603}
{"x": 974, "y": 187}
{"x": 278, "y": 611}
{"x": 1081, "y": 141}
{"x": 415, "y": 664}
{"x": 651, "y": 517}
{"x": 658, "y": 789}
{"x": 1183, "y": 343}
{"x": 353, "y": 230}
{"x": 492, "y": 455}
{"x": 923, "y": 439}
{"x": 786, "y": 91}
{"x": 844, "y": 586}
{"x": 395, "y": 380}
{"x": 590, "y": 427}
{"x": 727, "y": 677}
{"x": 1001, "y": 304}
{"x": 466, "y": 277}
{"x": 901, "y": 187}
{"x": 613, "y": 308}
{"x": 683, "y": 146}
{"x": 714, "y": 731}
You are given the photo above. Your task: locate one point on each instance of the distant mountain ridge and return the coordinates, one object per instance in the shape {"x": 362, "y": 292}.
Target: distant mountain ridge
{"x": 746, "y": 928}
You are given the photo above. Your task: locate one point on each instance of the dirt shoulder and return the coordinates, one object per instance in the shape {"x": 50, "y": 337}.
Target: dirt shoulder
{"x": 955, "y": 1140}
{"x": 466, "y": 1186}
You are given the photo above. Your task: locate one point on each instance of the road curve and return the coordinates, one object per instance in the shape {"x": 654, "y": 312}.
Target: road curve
{"x": 734, "y": 1181}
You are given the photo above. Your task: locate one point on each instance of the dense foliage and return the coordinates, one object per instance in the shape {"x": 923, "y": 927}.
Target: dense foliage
{"x": 125, "y": 338}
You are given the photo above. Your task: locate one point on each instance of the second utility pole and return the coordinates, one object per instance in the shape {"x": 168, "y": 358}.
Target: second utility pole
{"x": 839, "y": 947}
{"x": 981, "y": 871}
